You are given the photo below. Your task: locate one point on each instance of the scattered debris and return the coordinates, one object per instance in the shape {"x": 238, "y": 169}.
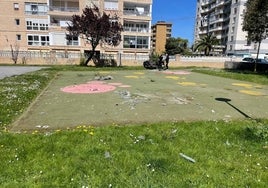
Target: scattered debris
{"x": 187, "y": 157}
{"x": 103, "y": 77}
{"x": 107, "y": 155}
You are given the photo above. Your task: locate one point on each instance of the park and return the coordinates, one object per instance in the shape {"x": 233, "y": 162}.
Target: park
{"x": 125, "y": 127}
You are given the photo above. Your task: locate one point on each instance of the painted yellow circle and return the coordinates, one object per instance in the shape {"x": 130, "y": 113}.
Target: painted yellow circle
{"x": 172, "y": 77}
{"x": 242, "y": 85}
{"x": 139, "y": 73}
{"x": 132, "y": 76}
{"x": 187, "y": 83}
{"x": 250, "y": 92}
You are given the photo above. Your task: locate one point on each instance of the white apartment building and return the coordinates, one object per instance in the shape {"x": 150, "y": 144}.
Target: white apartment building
{"x": 40, "y": 25}
{"x": 224, "y": 18}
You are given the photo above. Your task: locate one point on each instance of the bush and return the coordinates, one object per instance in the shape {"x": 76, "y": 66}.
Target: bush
{"x": 257, "y": 132}
{"x": 105, "y": 63}
{"x": 82, "y": 61}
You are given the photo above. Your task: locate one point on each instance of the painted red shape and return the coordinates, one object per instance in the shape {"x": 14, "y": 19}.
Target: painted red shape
{"x": 89, "y": 88}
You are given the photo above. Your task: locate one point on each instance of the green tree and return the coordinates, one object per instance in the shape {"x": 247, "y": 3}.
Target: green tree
{"x": 206, "y": 44}
{"x": 256, "y": 22}
{"x": 176, "y": 45}
{"x": 95, "y": 27}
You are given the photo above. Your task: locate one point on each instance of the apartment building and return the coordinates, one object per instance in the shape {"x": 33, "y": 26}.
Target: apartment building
{"x": 161, "y": 31}
{"x": 40, "y": 25}
{"x": 223, "y": 19}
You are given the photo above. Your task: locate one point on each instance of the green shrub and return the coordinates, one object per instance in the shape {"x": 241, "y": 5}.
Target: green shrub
{"x": 82, "y": 61}
{"x": 105, "y": 63}
{"x": 257, "y": 132}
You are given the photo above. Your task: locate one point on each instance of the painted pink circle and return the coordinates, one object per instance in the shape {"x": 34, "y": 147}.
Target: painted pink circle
{"x": 89, "y": 88}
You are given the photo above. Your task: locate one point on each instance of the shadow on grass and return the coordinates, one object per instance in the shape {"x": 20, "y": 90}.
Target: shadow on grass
{"x": 227, "y": 101}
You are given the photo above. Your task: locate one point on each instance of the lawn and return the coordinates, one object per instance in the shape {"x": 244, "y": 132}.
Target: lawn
{"x": 229, "y": 153}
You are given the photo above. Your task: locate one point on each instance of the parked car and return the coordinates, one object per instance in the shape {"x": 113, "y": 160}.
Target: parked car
{"x": 262, "y": 61}
{"x": 248, "y": 63}
{"x": 248, "y": 60}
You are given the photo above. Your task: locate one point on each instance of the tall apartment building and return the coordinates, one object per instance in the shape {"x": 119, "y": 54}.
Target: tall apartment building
{"x": 224, "y": 18}
{"x": 40, "y": 25}
{"x": 161, "y": 31}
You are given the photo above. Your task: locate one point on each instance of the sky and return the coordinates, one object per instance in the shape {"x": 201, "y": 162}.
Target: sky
{"x": 181, "y": 13}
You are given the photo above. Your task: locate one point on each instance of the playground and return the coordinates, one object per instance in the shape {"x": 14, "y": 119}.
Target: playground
{"x": 103, "y": 98}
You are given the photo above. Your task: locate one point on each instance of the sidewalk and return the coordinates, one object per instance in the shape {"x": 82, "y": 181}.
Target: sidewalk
{"x": 7, "y": 71}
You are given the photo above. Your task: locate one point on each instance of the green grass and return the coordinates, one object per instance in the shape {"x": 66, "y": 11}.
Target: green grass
{"x": 238, "y": 75}
{"x": 227, "y": 154}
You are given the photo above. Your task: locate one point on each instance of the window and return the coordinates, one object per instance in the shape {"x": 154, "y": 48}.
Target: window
{"x": 111, "y": 5}
{"x": 136, "y": 42}
{"x": 234, "y": 19}
{"x": 38, "y": 40}
{"x": 16, "y": 6}
{"x": 232, "y": 29}
{"x": 72, "y": 40}
{"x": 18, "y": 37}
{"x": 36, "y": 8}
{"x": 37, "y": 24}
{"x": 232, "y": 38}
{"x": 17, "y": 21}
{"x": 231, "y": 47}
{"x": 235, "y": 10}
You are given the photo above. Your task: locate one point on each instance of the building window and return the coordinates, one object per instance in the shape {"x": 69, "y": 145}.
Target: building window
{"x": 36, "y": 8}
{"x": 235, "y": 10}
{"x": 232, "y": 38}
{"x": 72, "y": 40}
{"x": 111, "y": 4}
{"x": 231, "y": 47}
{"x": 136, "y": 42}
{"x": 17, "y": 21}
{"x": 136, "y": 27}
{"x": 18, "y": 37}
{"x": 232, "y": 29}
{"x": 37, "y": 24}
{"x": 16, "y": 6}
{"x": 38, "y": 40}
{"x": 234, "y": 20}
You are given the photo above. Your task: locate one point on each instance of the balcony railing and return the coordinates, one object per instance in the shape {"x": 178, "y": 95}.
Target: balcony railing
{"x": 64, "y": 9}
{"x": 136, "y": 13}
{"x": 136, "y": 29}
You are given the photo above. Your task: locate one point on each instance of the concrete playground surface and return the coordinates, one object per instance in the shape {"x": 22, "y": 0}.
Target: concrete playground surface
{"x": 133, "y": 97}
{"x": 7, "y": 71}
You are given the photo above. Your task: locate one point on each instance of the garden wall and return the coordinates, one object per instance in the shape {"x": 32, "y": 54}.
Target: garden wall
{"x": 48, "y": 58}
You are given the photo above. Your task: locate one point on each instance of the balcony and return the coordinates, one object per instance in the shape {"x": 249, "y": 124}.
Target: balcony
{"x": 67, "y": 7}
{"x": 64, "y": 9}
{"x": 136, "y": 29}
{"x": 132, "y": 9}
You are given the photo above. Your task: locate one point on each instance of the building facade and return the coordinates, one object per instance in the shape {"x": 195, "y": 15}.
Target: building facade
{"x": 223, "y": 19}
{"x": 40, "y": 25}
{"x": 161, "y": 31}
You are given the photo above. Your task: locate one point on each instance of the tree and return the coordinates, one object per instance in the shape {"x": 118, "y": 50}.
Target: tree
{"x": 256, "y": 22}
{"x": 176, "y": 45}
{"x": 206, "y": 44}
{"x": 14, "y": 51}
{"x": 95, "y": 27}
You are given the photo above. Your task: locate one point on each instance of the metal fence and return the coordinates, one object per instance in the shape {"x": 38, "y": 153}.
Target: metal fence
{"x": 73, "y": 55}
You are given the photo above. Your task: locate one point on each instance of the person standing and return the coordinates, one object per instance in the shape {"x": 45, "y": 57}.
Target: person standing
{"x": 160, "y": 62}
{"x": 167, "y": 61}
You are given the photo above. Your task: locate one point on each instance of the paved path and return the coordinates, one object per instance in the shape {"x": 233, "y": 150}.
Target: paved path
{"x": 7, "y": 71}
